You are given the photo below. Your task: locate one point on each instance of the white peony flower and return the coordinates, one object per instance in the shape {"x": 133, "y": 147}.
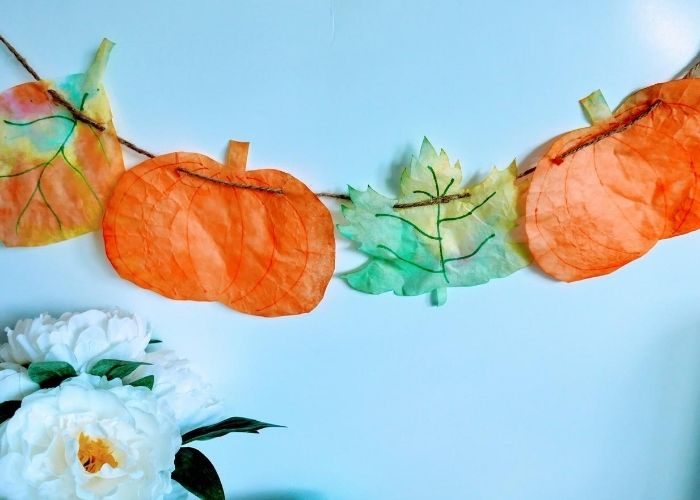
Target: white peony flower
{"x": 15, "y": 383}
{"x": 190, "y": 398}
{"x": 80, "y": 339}
{"x": 88, "y": 439}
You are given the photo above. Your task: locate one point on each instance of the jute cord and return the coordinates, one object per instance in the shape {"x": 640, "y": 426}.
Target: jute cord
{"x": 79, "y": 115}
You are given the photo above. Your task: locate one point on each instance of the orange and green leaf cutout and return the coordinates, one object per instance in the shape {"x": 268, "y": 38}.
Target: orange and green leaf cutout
{"x": 177, "y": 224}
{"x": 56, "y": 173}
{"x": 603, "y": 196}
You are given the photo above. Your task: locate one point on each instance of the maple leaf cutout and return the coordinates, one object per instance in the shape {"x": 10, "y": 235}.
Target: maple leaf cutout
{"x": 416, "y": 250}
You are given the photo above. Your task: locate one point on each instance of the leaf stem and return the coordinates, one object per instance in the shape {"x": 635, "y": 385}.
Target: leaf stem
{"x": 437, "y": 223}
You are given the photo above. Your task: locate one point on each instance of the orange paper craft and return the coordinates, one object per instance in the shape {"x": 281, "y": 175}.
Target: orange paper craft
{"x": 56, "y": 173}
{"x": 188, "y": 237}
{"x": 604, "y": 195}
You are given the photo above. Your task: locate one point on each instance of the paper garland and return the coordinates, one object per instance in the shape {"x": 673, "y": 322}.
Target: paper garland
{"x": 187, "y": 227}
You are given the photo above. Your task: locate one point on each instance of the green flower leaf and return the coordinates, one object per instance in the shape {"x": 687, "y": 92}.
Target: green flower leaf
{"x": 197, "y": 474}
{"x": 455, "y": 237}
{"x": 50, "y": 373}
{"x": 155, "y": 341}
{"x": 114, "y": 368}
{"x": 233, "y": 424}
{"x": 146, "y": 381}
{"x": 8, "y": 409}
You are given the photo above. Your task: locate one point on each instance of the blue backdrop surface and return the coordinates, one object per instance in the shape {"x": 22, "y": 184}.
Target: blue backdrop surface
{"x": 524, "y": 388}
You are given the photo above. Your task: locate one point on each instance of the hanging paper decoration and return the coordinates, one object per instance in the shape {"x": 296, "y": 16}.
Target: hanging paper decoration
{"x": 604, "y": 195}
{"x": 56, "y": 172}
{"x": 188, "y": 227}
{"x": 262, "y": 243}
{"x": 437, "y": 235}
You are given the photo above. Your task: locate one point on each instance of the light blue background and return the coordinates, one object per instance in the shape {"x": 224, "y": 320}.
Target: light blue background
{"x": 524, "y": 388}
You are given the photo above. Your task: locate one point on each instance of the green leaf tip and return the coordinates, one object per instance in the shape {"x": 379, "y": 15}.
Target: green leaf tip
{"x": 50, "y": 374}
{"x": 115, "y": 368}
{"x": 8, "y": 409}
{"x": 233, "y": 424}
{"x": 197, "y": 474}
{"x": 148, "y": 381}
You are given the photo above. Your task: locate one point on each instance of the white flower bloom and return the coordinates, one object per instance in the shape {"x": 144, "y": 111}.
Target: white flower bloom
{"x": 88, "y": 439}
{"x": 80, "y": 339}
{"x": 190, "y": 398}
{"x": 15, "y": 383}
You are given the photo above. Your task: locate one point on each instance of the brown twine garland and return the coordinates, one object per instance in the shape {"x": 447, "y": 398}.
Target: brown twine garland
{"x": 558, "y": 159}
{"x": 20, "y": 58}
{"x": 691, "y": 72}
{"x": 79, "y": 115}
{"x": 229, "y": 183}
{"x": 337, "y": 196}
{"x": 433, "y": 201}
{"x": 424, "y": 203}
{"x": 616, "y": 130}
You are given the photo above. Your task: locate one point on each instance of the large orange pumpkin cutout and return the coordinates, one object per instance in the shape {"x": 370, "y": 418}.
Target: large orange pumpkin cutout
{"x": 176, "y": 224}
{"x": 603, "y": 196}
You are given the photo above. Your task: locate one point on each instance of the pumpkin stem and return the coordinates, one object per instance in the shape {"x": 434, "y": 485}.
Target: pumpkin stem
{"x": 237, "y": 155}
{"x": 596, "y": 107}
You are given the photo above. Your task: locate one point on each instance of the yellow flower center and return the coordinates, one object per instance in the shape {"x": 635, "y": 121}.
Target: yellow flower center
{"x": 94, "y": 453}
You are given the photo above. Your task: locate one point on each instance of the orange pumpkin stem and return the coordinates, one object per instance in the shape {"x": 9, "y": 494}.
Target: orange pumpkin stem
{"x": 237, "y": 156}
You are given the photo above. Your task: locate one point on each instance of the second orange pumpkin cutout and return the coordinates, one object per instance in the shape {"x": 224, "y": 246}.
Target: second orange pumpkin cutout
{"x": 604, "y": 195}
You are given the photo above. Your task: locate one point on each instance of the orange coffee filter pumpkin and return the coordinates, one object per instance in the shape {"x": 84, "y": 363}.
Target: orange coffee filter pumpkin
{"x": 604, "y": 195}
{"x": 188, "y": 236}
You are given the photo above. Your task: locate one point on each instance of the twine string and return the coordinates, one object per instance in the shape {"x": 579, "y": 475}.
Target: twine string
{"x": 79, "y": 115}
{"x": 337, "y": 196}
{"x": 433, "y": 201}
{"x": 617, "y": 130}
{"x": 229, "y": 183}
{"x": 558, "y": 159}
{"x": 692, "y": 71}
{"x": 20, "y": 58}
{"x": 57, "y": 97}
